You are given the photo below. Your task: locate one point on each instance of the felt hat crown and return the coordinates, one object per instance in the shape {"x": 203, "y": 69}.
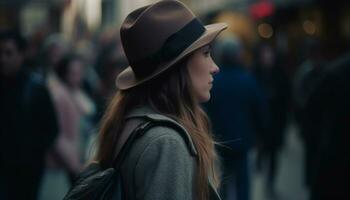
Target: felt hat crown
{"x": 157, "y": 36}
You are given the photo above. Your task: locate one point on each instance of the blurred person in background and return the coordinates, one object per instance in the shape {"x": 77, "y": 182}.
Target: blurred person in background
{"x": 70, "y": 71}
{"x": 53, "y": 49}
{"x": 87, "y": 51}
{"x": 63, "y": 161}
{"x": 109, "y": 63}
{"x": 306, "y": 79}
{"x": 35, "y": 41}
{"x": 328, "y": 115}
{"x": 90, "y": 86}
{"x": 238, "y": 113}
{"x": 28, "y": 125}
{"x": 274, "y": 80}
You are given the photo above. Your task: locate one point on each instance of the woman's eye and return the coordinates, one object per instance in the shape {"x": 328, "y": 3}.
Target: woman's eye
{"x": 207, "y": 53}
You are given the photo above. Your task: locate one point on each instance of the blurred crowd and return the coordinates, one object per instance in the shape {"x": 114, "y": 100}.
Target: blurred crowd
{"x": 53, "y": 92}
{"x": 252, "y": 106}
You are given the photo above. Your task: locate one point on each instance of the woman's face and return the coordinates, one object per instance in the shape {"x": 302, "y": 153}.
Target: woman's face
{"x": 202, "y": 68}
{"x": 75, "y": 73}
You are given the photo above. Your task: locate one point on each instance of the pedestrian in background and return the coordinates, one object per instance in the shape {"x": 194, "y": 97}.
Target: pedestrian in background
{"x": 239, "y": 114}
{"x": 62, "y": 163}
{"x": 328, "y": 114}
{"x": 28, "y": 125}
{"x": 270, "y": 73}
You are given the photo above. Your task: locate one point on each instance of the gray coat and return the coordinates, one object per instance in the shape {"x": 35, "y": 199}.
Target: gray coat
{"x": 161, "y": 164}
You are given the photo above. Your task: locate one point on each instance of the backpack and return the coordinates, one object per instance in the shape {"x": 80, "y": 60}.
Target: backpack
{"x": 97, "y": 183}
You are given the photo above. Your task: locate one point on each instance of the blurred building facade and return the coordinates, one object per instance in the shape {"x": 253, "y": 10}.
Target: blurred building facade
{"x": 310, "y": 16}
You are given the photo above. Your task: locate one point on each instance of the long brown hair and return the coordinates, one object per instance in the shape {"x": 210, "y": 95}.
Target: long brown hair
{"x": 171, "y": 95}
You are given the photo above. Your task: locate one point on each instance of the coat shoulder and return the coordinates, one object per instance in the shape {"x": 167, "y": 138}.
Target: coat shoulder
{"x": 160, "y": 138}
{"x": 159, "y": 165}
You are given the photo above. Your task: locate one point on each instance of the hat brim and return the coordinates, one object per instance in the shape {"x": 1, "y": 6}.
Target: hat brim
{"x": 126, "y": 79}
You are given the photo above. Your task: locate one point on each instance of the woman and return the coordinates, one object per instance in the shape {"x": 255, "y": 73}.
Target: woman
{"x": 71, "y": 71}
{"x": 170, "y": 74}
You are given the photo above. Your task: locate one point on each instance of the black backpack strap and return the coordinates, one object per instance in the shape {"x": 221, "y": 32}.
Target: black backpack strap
{"x": 166, "y": 121}
{"x": 139, "y": 130}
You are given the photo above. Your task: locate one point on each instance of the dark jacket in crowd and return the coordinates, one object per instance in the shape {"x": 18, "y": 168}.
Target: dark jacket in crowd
{"x": 328, "y": 113}
{"x": 237, "y": 108}
{"x": 27, "y": 129}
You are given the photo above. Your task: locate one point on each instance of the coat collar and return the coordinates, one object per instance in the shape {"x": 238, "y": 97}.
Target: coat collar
{"x": 148, "y": 113}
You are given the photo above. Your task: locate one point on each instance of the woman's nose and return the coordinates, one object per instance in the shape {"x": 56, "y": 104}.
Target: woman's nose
{"x": 215, "y": 69}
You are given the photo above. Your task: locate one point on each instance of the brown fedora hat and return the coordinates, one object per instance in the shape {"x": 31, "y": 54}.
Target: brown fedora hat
{"x": 157, "y": 36}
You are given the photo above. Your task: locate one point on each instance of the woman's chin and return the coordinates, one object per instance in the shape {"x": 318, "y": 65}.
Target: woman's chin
{"x": 204, "y": 99}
